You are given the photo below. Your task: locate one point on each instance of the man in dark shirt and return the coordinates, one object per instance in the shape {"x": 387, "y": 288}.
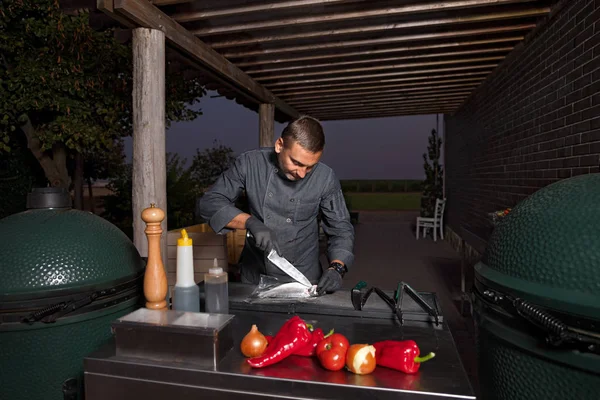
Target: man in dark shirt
{"x": 286, "y": 188}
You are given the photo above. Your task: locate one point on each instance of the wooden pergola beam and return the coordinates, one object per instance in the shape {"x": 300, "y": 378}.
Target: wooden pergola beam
{"x": 369, "y": 53}
{"x": 391, "y": 108}
{"x": 337, "y": 117}
{"x": 388, "y": 96}
{"x": 398, "y": 89}
{"x": 345, "y": 16}
{"x": 486, "y": 67}
{"x": 145, "y": 14}
{"x": 199, "y": 15}
{"x": 373, "y": 60}
{"x": 332, "y": 33}
{"x": 368, "y": 108}
{"x": 379, "y": 68}
{"x": 376, "y": 83}
{"x": 386, "y": 90}
{"x": 384, "y": 113}
{"x": 402, "y": 100}
{"x": 379, "y": 41}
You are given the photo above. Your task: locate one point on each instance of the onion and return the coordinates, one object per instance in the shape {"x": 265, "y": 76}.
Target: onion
{"x": 254, "y": 343}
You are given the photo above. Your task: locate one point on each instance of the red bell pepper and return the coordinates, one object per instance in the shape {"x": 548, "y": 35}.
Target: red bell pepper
{"x": 400, "y": 355}
{"x": 292, "y": 335}
{"x": 309, "y": 349}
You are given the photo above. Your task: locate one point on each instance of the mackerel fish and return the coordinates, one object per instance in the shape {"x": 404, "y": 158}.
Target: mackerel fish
{"x": 291, "y": 290}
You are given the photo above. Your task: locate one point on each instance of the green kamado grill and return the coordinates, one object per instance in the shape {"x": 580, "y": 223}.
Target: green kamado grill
{"x": 65, "y": 276}
{"x": 536, "y": 297}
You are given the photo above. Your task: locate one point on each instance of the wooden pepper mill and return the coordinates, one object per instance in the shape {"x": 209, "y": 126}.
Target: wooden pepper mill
{"x": 155, "y": 278}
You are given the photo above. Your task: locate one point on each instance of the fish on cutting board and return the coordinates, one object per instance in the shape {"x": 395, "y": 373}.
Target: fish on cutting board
{"x": 291, "y": 290}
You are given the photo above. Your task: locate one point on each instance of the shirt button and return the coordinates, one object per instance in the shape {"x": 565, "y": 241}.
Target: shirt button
{"x": 292, "y": 200}
{"x": 270, "y": 194}
{"x": 288, "y": 220}
{"x": 268, "y": 217}
{"x": 276, "y": 170}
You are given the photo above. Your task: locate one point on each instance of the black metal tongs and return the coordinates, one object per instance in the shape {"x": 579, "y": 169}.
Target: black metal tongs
{"x": 359, "y": 298}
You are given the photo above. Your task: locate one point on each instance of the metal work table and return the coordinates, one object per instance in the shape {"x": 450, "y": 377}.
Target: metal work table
{"x": 108, "y": 376}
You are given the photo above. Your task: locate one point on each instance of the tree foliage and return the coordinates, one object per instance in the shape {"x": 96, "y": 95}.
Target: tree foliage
{"x": 208, "y": 164}
{"x": 67, "y": 87}
{"x": 434, "y": 177}
{"x": 182, "y": 192}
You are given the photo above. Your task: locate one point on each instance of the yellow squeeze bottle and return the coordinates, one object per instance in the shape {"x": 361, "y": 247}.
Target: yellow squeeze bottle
{"x": 186, "y": 296}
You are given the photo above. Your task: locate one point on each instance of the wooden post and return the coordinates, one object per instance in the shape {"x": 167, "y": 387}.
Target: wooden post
{"x": 155, "y": 277}
{"x": 149, "y": 157}
{"x": 266, "y": 125}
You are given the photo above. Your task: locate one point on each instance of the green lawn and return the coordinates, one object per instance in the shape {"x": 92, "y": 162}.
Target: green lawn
{"x": 383, "y": 201}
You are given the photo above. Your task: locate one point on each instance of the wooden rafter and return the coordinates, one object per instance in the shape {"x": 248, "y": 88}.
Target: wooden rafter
{"x": 347, "y": 16}
{"x": 396, "y": 89}
{"x": 367, "y": 54}
{"x": 265, "y": 6}
{"x": 397, "y": 113}
{"x": 379, "y": 68}
{"x": 487, "y": 67}
{"x": 332, "y": 33}
{"x": 383, "y": 103}
{"x": 380, "y": 41}
{"x": 384, "y": 113}
{"x": 387, "y": 97}
{"x": 383, "y": 107}
{"x": 374, "y": 60}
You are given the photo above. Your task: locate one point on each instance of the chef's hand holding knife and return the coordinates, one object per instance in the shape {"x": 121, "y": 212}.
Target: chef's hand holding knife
{"x": 263, "y": 236}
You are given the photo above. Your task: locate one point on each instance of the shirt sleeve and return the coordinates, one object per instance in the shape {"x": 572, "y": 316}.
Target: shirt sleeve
{"x": 217, "y": 204}
{"x": 337, "y": 225}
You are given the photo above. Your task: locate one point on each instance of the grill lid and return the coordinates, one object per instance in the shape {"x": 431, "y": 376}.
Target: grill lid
{"x": 547, "y": 250}
{"x": 50, "y": 250}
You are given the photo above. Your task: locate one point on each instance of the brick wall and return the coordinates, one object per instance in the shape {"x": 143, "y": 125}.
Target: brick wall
{"x": 534, "y": 121}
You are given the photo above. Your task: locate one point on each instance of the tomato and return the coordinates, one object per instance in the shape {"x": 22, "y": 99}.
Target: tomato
{"x": 360, "y": 359}
{"x": 331, "y": 352}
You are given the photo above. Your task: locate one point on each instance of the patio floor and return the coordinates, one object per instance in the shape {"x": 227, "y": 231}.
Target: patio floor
{"x": 387, "y": 252}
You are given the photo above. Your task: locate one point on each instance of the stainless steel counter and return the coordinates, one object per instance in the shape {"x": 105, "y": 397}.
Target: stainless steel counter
{"x": 108, "y": 376}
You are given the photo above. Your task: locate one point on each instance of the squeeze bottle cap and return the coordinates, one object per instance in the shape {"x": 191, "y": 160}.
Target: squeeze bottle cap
{"x": 215, "y": 270}
{"x": 184, "y": 240}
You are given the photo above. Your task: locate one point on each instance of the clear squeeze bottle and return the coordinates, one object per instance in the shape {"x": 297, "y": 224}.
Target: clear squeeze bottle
{"x": 186, "y": 295}
{"x": 216, "y": 290}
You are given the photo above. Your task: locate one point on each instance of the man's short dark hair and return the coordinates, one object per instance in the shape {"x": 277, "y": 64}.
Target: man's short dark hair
{"x": 307, "y": 131}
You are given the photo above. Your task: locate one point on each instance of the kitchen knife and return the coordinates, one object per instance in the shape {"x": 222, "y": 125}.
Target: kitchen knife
{"x": 288, "y": 268}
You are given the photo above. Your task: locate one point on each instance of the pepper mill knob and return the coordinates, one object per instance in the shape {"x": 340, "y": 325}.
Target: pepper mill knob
{"x": 155, "y": 278}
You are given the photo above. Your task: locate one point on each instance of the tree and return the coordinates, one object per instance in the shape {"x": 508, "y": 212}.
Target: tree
{"x": 118, "y": 207}
{"x": 67, "y": 88}
{"x": 182, "y": 192}
{"x": 210, "y": 163}
{"x": 102, "y": 165}
{"x": 19, "y": 173}
{"x": 433, "y": 185}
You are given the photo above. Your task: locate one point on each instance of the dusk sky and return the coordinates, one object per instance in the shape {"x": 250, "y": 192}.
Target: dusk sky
{"x": 382, "y": 148}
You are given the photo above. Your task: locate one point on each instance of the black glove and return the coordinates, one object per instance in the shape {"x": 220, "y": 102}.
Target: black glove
{"x": 263, "y": 236}
{"x": 330, "y": 282}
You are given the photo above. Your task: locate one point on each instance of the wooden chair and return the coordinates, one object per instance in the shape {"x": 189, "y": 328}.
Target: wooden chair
{"x": 436, "y": 222}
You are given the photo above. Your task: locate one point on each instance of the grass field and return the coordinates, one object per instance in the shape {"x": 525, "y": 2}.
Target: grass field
{"x": 383, "y": 201}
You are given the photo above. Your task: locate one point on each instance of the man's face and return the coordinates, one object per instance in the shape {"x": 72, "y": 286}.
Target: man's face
{"x": 295, "y": 161}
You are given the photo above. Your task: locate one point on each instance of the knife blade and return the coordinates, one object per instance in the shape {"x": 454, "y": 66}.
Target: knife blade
{"x": 288, "y": 268}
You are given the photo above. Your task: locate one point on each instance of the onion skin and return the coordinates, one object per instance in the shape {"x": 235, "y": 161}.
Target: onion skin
{"x": 360, "y": 359}
{"x": 254, "y": 343}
